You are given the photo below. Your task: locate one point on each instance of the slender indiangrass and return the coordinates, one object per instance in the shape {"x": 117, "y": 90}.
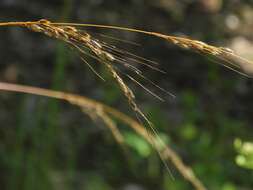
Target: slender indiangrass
{"x": 97, "y": 110}
{"x": 226, "y": 56}
{"x": 111, "y": 57}
{"x": 80, "y": 40}
{"x": 107, "y": 55}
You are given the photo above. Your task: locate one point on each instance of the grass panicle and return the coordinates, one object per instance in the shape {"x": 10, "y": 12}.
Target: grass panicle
{"x": 225, "y": 56}
{"x": 78, "y": 40}
{"x": 112, "y": 57}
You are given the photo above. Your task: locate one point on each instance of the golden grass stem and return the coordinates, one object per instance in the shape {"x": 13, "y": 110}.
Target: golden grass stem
{"x": 83, "y": 102}
{"x": 17, "y": 23}
{"x": 225, "y": 56}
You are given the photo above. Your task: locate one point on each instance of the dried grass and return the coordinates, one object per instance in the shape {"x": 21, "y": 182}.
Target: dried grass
{"x": 224, "y": 56}
{"x": 110, "y": 56}
{"x": 97, "y": 110}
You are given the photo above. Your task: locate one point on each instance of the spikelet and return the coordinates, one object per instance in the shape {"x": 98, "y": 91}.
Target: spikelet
{"x": 75, "y": 38}
{"x": 224, "y": 56}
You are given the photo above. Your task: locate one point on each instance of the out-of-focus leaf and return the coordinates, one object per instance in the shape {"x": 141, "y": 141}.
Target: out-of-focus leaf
{"x": 138, "y": 144}
{"x": 245, "y": 153}
{"x": 189, "y": 131}
{"x": 96, "y": 182}
{"x": 228, "y": 186}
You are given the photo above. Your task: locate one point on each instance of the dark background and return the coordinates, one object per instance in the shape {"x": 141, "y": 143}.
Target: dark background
{"x": 47, "y": 144}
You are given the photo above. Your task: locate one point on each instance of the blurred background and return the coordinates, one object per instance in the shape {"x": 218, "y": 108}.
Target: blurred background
{"x": 48, "y": 144}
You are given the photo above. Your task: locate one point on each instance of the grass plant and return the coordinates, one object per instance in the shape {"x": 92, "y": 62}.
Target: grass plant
{"x": 111, "y": 57}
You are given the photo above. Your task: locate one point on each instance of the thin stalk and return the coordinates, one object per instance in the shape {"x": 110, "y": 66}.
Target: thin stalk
{"x": 17, "y": 23}
{"x": 83, "y": 102}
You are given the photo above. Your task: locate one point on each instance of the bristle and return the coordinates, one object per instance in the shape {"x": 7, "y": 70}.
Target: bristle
{"x": 221, "y": 53}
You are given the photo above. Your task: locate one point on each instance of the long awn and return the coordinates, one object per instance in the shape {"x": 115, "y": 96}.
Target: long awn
{"x": 111, "y": 57}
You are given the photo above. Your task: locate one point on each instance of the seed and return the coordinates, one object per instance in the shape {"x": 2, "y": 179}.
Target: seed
{"x": 227, "y": 50}
{"x": 44, "y": 21}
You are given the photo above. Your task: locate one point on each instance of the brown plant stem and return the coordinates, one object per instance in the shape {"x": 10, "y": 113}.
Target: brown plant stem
{"x": 224, "y": 55}
{"x": 83, "y": 102}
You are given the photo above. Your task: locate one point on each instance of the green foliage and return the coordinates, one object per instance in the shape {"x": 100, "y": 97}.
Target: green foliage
{"x": 138, "y": 144}
{"x": 245, "y": 153}
{"x": 189, "y": 131}
{"x": 228, "y": 186}
{"x": 96, "y": 182}
{"x": 141, "y": 146}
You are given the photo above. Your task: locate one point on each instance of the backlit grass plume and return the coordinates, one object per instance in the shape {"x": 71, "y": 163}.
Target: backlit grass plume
{"x": 84, "y": 42}
{"x": 106, "y": 54}
{"x": 224, "y": 55}
{"x": 112, "y": 57}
